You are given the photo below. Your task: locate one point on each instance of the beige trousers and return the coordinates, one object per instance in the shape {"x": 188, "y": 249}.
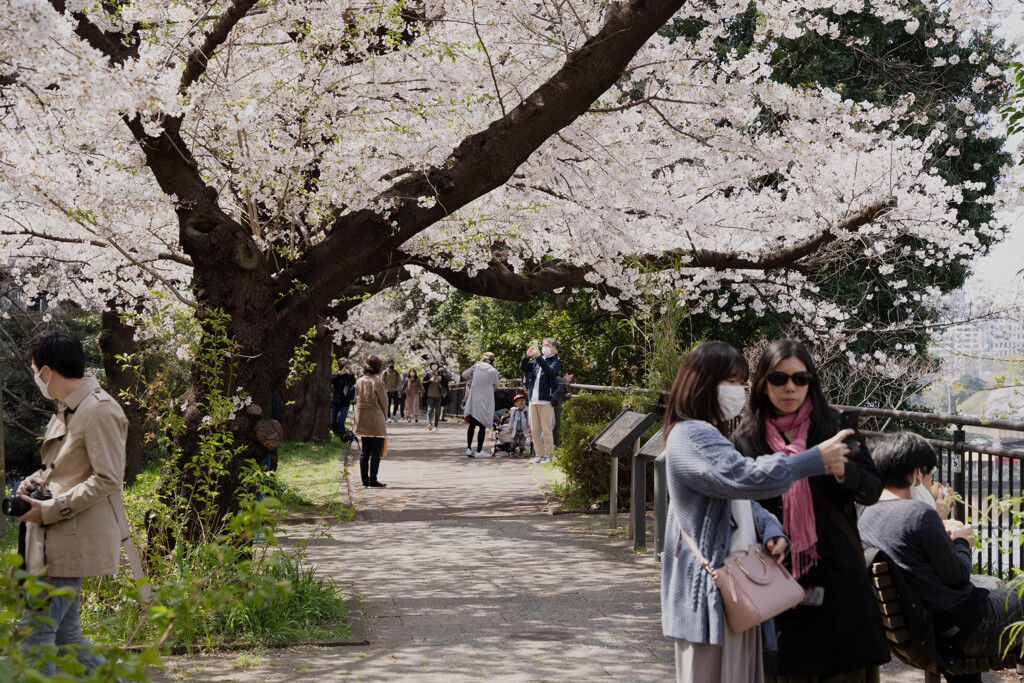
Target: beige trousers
{"x": 540, "y": 427}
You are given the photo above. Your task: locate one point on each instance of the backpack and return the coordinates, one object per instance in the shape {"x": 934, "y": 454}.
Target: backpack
{"x": 560, "y": 392}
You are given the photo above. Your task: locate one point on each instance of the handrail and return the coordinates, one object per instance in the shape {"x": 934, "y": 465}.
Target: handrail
{"x": 966, "y": 447}
{"x": 635, "y": 390}
{"x": 941, "y": 418}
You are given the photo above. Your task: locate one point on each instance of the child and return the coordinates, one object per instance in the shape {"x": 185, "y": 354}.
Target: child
{"x": 519, "y": 424}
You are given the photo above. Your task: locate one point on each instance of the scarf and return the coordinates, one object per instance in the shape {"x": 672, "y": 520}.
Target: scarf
{"x": 797, "y": 504}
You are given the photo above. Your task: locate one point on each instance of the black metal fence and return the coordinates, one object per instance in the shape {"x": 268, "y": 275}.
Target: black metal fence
{"x": 987, "y": 480}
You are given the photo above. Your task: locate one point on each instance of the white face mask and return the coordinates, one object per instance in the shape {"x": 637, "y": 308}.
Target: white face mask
{"x": 918, "y": 491}
{"x": 731, "y": 399}
{"x": 43, "y": 386}
{"x": 546, "y": 350}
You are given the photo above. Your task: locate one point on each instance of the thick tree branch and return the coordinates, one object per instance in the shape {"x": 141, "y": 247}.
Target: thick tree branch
{"x": 499, "y": 281}
{"x": 111, "y": 44}
{"x": 366, "y": 242}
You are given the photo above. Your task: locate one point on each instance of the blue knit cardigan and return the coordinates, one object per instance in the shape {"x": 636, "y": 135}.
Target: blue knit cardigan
{"x": 705, "y": 473}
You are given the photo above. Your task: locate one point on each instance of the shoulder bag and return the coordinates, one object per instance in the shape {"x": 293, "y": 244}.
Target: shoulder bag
{"x": 754, "y": 588}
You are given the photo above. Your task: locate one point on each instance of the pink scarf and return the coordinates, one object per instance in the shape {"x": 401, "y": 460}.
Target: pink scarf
{"x": 797, "y": 504}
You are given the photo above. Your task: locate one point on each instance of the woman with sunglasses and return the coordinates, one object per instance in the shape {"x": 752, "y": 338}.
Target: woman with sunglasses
{"x": 835, "y": 635}
{"x": 712, "y": 488}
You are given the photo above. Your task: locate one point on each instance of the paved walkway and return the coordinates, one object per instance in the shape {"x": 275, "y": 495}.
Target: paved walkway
{"x": 463, "y": 576}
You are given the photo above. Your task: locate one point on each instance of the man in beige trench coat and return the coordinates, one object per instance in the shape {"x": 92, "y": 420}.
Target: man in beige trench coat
{"x": 78, "y": 532}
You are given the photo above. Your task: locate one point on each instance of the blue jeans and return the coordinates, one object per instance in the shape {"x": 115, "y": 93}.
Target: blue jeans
{"x": 65, "y": 631}
{"x": 393, "y": 406}
{"x": 1003, "y": 609}
{"x": 339, "y": 415}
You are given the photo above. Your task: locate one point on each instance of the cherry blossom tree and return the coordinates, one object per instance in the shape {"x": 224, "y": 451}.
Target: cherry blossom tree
{"x": 281, "y": 161}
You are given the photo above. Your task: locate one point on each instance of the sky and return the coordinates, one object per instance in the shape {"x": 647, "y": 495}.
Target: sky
{"x": 999, "y": 268}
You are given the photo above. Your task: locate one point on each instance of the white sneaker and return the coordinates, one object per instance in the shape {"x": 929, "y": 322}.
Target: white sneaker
{"x": 535, "y": 459}
{"x": 469, "y": 452}
{"x": 543, "y": 460}
{"x": 484, "y": 454}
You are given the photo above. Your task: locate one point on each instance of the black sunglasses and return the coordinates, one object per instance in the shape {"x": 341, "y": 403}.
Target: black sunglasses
{"x": 779, "y": 379}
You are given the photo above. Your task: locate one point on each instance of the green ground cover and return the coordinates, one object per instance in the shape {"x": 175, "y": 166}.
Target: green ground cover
{"x": 309, "y": 479}
{"x": 276, "y": 596}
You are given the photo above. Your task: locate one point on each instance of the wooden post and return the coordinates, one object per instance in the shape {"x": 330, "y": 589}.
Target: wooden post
{"x": 638, "y": 501}
{"x": 613, "y": 496}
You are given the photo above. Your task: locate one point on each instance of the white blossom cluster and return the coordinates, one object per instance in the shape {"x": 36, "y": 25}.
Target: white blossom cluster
{"x": 312, "y": 109}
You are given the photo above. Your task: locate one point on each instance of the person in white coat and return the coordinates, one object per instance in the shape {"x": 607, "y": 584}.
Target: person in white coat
{"x": 479, "y": 411}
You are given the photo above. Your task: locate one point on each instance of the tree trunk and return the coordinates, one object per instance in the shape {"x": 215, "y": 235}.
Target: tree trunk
{"x": 307, "y": 402}
{"x": 3, "y": 457}
{"x": 118, "y": 339}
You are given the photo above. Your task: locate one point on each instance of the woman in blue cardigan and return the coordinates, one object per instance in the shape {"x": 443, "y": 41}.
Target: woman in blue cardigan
{"x": 712, "y": 489}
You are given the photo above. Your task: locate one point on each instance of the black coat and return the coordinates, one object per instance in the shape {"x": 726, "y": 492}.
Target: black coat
{"x": 343, "y": 389}
{"x": 845, "y": 632}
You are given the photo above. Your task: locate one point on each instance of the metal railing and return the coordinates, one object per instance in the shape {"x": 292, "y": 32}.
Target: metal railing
{"x": 510, "y": 387}
{"x": 983, "y": 477}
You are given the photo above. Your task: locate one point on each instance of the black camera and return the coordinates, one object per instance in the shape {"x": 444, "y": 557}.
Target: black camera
{"x": 850, "y": 419}
{"x": 16, "y": 507}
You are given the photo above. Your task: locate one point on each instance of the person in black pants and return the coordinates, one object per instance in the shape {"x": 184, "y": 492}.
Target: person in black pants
{"x": 371, "y": 423}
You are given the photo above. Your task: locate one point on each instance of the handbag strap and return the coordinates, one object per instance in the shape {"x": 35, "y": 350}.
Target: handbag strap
{"x": 693, "y": 546}
{"x": 824, "y": 501}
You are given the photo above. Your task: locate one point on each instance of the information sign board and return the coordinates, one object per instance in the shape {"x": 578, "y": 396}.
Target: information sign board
{"x": 623, "y": 432}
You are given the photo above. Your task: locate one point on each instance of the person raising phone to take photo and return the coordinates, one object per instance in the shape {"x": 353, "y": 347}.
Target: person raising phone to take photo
{"x": 713, "y": 491}
{"x": 835, "y": 634}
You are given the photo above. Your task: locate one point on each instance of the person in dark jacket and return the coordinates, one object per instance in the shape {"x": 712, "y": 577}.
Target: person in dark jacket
{"x": 343, "y": 392}
{"x": 840, "y": 638}
{"x": 541, "y": 367}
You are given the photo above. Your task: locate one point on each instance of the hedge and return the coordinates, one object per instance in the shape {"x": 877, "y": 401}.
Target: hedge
{"x": 587, "y": 470}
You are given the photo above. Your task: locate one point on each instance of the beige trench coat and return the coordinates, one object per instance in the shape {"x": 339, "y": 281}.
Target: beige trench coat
{"x": 83, "y": 467}
{"x": 371, "y": 407}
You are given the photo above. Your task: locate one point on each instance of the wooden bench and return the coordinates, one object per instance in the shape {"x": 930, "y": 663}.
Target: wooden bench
{"x": 903, "y": 615}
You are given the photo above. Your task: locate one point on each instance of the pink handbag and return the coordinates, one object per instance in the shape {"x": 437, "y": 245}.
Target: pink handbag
{"x": 753, "y": 587}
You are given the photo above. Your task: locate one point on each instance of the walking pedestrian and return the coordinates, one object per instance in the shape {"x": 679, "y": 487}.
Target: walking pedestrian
{"x": 371, "y": 423}
{"x": 480, "y": 402}
{"x": 413, "y": 389}
{"x": 436, "y": 385}
{"x": 541, "y": 367}
{"x": 391, "y": 381}
{"x": 835, "y": 634}
{"x": 343, "y": 392}
{"x": 713, "y": 491}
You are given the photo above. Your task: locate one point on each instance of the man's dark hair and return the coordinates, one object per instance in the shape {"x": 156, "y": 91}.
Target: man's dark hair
{"x": 61, "y": 351}
{"x": 898, "y": 455}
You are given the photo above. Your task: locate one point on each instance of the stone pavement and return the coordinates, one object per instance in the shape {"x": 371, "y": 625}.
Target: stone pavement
{"x": 465, "y": 577}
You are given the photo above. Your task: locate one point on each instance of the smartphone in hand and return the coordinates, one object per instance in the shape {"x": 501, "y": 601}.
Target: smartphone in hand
{"x": 850, "y": 419}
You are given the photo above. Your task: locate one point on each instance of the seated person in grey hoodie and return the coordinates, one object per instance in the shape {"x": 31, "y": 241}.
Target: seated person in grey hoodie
{"x": 937, "y": 564}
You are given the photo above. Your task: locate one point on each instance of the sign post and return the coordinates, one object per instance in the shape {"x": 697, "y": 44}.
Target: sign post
{"x": 614, "y": 440}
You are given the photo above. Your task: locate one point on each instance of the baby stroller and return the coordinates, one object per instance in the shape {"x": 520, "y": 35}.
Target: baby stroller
{"x": 507, "y": 438}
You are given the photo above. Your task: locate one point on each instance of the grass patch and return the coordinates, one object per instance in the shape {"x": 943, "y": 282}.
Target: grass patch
{"x": 309, "y": 479}
{"x": 301, "y": 606}
{"x": 568, "y": 496}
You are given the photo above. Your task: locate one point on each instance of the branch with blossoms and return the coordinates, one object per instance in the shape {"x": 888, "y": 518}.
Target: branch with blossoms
{"x": 500, "y": 281}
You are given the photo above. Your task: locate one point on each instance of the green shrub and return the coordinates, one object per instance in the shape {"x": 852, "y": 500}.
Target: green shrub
{"x": 587, "y": 470}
